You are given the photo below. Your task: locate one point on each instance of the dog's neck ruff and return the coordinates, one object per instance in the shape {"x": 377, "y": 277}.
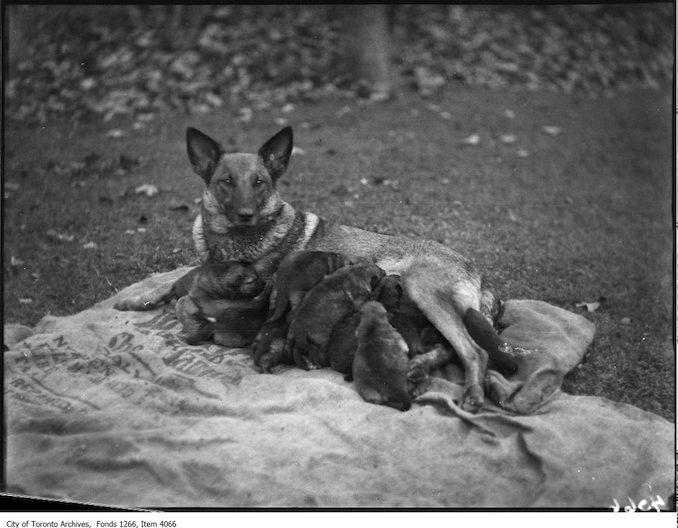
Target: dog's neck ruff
{"x": 284, "y": 232}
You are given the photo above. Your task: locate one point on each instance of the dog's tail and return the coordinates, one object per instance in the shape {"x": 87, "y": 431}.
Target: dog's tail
{"x": 483, "y": 333}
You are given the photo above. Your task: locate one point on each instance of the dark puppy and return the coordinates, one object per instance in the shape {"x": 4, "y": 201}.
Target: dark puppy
{"x": 323, "y": 306}
{"x": 269, "y": 345}
{"x": 297, "y": 274}
{"x": 206, "y": 292}
{"x": 380, "y": 366}
{"x": 232, "y": 325}
{"x": 343, "y": 343}
{"x": 217, "y": 285}
{"x": 403, "y": 316}
{"x": 403, "y": 313}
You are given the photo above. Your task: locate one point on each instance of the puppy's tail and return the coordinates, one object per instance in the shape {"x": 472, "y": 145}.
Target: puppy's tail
{"x": 487, "y": 338}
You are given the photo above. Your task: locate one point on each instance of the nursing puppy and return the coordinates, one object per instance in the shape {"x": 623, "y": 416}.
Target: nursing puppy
{"x": 322, "y": 307}
{"x": 380, "y": 367}
{"x": 269, "y": 345}
{"x": 343, "y": 343}
{"x": 297, "y": 274}
{"x": 402, "y": 314}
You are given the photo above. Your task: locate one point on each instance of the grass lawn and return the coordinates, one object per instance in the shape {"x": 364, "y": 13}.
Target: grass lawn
{"x": 570, "y": 217}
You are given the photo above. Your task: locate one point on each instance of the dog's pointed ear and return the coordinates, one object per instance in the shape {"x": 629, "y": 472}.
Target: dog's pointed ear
{"x": 276, "y": 152}
{"x": 203, "y": 153}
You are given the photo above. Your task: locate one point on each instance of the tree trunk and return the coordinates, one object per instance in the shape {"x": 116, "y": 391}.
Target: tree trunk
{"x": 369, "y": 50}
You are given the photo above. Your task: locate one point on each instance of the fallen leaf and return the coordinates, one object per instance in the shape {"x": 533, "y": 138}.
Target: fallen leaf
{"x": 473, "y": 139}
{"x": 11, "y": 186}
{"x": 245, "y": 115}
{"x": 115, "y": 133}
{"x": 214, "y": 99}
{"x": 298, "y": 151}
{"x": 13, "y": 261}
{"x": 508, "y": 138}
{"x": 589, "y": 306}
{"x": 445, "y": 115}
{"x": 130, "y": 232}
{"x": 552, "y": 130}
{"x": 512, "y": 216}
{"x": 379, "y": 96}
{"x": 289, "y": 107}
{"x": 509, "y": 113}
{"x": 25, "y": 300}
{"x": 343, "y": 111}
{"x": 626, "y": 320}
{"x": 522, "y": 153}
{"x": 148, "y": 189}
{"x": 90, "y": 245}
{"x": 61, "y": 237}
{"x": 280, "y": 121}
{"x": 176, "y": 250}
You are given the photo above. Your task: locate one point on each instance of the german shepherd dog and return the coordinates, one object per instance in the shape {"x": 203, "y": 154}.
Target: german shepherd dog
{"x": 243, "y": 218}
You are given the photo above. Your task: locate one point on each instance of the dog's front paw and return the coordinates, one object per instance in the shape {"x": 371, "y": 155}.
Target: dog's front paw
{"x": 134, "y": 304}
{"x": 473, "y": 399}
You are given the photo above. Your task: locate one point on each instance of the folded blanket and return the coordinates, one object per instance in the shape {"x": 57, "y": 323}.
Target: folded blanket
{"x": 112, "y": 407}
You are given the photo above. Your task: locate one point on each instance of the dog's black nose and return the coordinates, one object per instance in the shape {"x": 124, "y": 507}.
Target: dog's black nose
{"x": 245, "y": 218}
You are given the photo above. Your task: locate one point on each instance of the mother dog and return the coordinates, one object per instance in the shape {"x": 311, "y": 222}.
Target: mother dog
{"x": 244, "y": 218}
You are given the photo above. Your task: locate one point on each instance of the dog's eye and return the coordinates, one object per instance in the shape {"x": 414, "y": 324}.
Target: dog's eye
{"x": 258, "y": 182}
{"x": 227, "y": 181}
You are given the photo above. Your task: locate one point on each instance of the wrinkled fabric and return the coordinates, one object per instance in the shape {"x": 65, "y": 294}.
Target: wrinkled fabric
{"x": 113, "y": 408}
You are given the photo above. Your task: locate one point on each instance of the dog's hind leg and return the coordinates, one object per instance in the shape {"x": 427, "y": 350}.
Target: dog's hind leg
{"x": 444, "y": 298}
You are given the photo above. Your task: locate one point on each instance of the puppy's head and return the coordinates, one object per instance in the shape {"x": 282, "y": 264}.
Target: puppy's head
{"x": 240, "y": 187}
{"x": 389, "y": 292}
{"x": 229, "y": 280}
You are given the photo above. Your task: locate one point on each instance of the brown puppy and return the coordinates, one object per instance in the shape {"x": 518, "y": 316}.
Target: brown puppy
{"x": 207, "y": 291}
{"x": 297, "y": 274}
{"x": 403, "y": 314}
{"x": 232, "y": 325}
{"x": 217, "y": 285}
{"x": 343, "y": 343}
{"x": 324, "y": 305}
{"x": 269, "y": 345}
{"x": 380, "y": 366}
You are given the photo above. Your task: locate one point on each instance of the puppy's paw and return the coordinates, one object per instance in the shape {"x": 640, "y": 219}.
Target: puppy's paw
{"x": 416, "y": 390}
{"x": 417, "y": 372}
{"x": 473, "y": 399}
